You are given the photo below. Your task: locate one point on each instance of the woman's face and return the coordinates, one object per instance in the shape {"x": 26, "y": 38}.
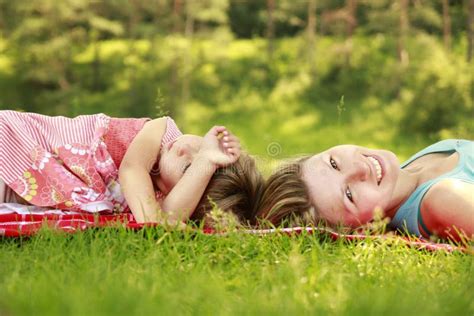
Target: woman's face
{"x": 348, "y": 183}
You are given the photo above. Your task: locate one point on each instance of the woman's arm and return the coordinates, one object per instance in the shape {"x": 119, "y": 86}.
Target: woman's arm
{"x": 134, "y": 171}
{"x": 447, "y": 209}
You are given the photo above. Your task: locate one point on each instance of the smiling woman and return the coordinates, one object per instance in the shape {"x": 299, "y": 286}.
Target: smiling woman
{"x": 430, "y": 194}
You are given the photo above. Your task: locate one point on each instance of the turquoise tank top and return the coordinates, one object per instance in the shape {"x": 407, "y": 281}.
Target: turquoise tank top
{"x": 408, "y": 215}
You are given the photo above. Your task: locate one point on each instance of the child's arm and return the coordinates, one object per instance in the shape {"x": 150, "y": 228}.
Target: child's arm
{"x": 137, "y": 186}
{"x": 447, "y": 209}
{"x": 134, "y": 171}
{"x": 215, "y": 152}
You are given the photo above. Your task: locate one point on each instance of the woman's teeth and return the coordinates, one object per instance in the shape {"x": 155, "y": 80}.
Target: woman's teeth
{"x": 378, "y": 168}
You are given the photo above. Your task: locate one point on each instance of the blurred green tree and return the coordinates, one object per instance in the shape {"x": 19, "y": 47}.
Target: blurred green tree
{"x": 46, "y": 34}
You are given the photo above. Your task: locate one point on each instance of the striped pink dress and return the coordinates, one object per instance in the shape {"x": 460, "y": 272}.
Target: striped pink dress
{"x": 68, "y": 163}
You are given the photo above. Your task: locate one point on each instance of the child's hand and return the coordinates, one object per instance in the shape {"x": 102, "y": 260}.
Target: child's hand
{"x": 220, "y": 147}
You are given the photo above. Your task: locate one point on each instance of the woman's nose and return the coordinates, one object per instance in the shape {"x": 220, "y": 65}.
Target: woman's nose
{"x": 359, "y": 171}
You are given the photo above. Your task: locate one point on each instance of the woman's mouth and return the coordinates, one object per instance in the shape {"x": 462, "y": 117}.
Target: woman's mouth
{"x": 378, "y": 167}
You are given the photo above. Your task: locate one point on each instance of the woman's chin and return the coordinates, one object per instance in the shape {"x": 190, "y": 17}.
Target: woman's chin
{"x": 361, "y": 220}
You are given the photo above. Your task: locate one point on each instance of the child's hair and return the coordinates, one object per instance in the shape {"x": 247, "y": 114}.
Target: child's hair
{"x": 235, "y": 189}
{"x": 285, "y": 200}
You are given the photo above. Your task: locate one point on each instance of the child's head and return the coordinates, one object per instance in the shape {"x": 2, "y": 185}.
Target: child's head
{"x": 235, "y": 189}
{"x": 344, "y": 185}
{"x": 175, "y": 158}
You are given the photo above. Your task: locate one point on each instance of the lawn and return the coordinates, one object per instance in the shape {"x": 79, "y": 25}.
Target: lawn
{"x": 115, "y": 271}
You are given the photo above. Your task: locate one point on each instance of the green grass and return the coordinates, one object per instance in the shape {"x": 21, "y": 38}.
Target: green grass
{"x": 114, "y": 271}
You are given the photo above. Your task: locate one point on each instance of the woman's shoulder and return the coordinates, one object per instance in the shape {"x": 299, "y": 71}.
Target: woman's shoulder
{"x": 444, "y": 201}
{"x": 447, "y": 194}
{"x": 447, "y": 188}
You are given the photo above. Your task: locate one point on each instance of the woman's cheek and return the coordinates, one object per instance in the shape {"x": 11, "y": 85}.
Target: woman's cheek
{"x": 366, "y": 217}
{"x": 352, "y": 221}
{"x": 367, "y": 211}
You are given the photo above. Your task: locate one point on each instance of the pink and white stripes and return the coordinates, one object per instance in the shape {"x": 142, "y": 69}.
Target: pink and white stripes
{"x": 21, "y": 132}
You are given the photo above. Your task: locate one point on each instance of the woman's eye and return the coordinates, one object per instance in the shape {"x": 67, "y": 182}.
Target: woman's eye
{"x": 349, "y": 195}
{"x": 333, "y": 163}
{"x": 186, "y": 167}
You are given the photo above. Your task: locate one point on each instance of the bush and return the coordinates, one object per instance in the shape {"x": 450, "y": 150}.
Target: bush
{"x": 441, "y": 95}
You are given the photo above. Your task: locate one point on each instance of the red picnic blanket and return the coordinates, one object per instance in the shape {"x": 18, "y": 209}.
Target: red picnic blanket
{"x": 18, "y": 220}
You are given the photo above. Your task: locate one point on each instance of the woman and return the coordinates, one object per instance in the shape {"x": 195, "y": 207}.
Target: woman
{"x": 430, "y": 194}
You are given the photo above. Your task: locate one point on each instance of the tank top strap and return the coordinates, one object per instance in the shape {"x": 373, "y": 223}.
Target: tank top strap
{"x": 442, "y": 146}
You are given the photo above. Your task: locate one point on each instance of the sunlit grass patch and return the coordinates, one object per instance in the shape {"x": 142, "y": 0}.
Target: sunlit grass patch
{"x": 110, "y": 271}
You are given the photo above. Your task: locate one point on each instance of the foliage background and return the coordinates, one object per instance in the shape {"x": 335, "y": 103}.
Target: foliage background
{"x": 287, "y": 76}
